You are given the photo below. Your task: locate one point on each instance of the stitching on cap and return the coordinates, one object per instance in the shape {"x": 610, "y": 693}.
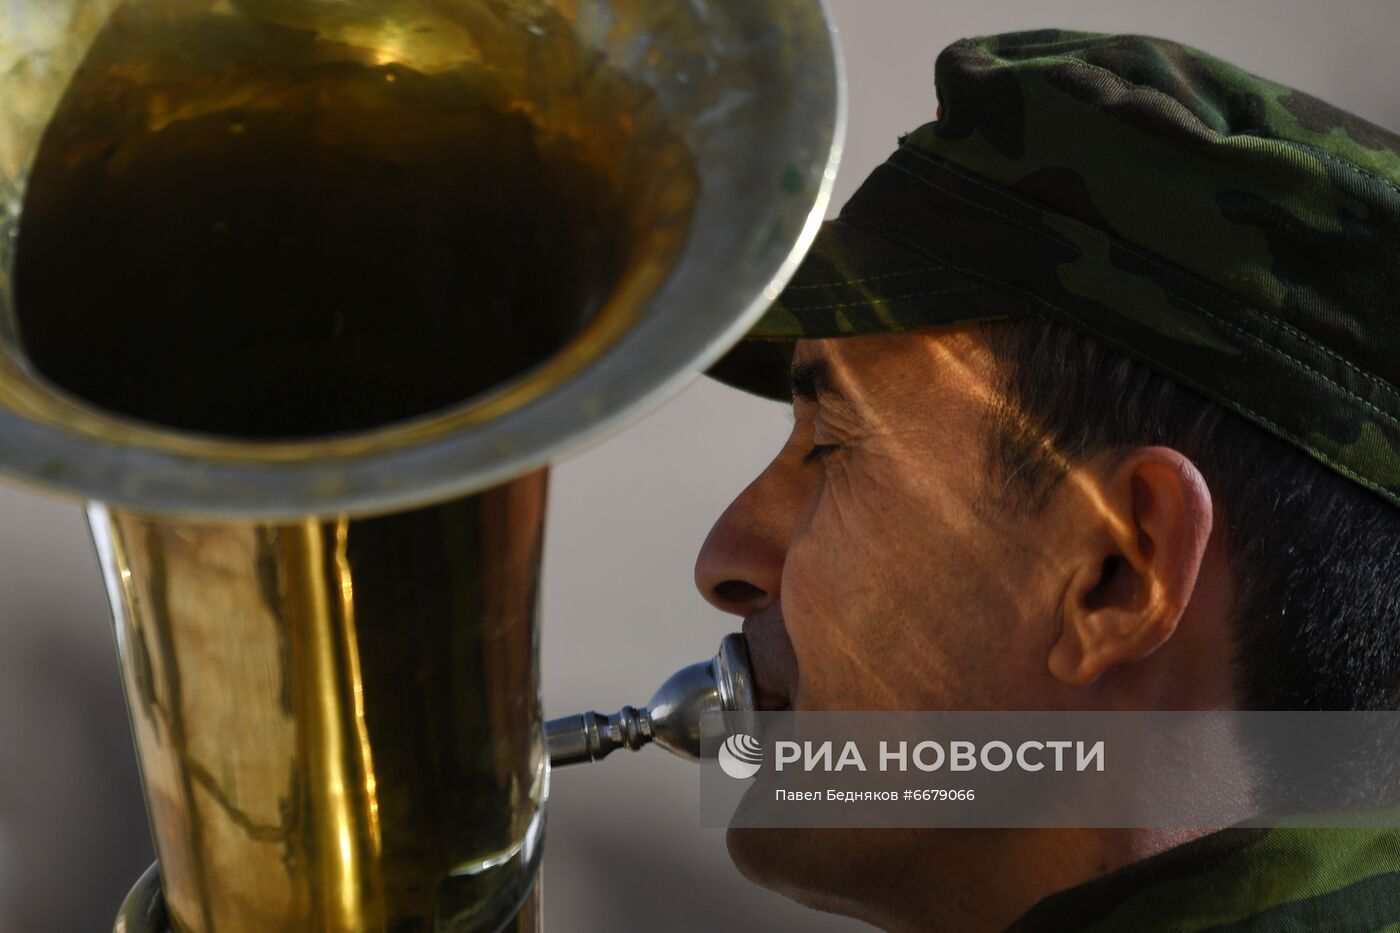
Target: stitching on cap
{"x": 871, "y": 302}
{"x": 1337, "y": 160}
{"x": 1371, "y": 484}
{"x": 1374, "y": 381}
{"x": 1152, "y": 260}
{"x": 996, "y": 213}
{"x": 873, "y": 278}
{"x": 1385, "y": 491}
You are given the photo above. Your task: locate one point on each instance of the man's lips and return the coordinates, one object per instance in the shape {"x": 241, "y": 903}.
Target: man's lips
{"x": 774, "y": 663}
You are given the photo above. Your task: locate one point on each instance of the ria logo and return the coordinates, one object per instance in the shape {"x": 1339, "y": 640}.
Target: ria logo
{"x": 741, "y": 756}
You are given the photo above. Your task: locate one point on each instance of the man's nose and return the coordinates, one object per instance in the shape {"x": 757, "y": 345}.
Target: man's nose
{"x": 740, "y": 566}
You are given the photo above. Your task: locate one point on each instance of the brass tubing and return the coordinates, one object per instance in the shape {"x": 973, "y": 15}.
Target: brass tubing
{"x": 338, "y": 721}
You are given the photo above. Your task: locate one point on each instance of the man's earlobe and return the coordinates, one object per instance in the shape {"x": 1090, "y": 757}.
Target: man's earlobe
{"x": 1137, "y": 566}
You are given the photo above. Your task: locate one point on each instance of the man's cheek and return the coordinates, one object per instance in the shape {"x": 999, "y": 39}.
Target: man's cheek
{"x": 810, "y": 596}
{"x": 814, "y": 565}
{"x": 835, "y": 667}
{"x": 834, "y": 579}
{"x": 823, "y": 621}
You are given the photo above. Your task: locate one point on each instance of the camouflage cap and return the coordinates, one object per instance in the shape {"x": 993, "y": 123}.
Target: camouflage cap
{"x": 1241, "y": 237}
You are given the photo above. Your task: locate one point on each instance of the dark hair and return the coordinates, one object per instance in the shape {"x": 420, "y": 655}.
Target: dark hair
{"x": 1315, "y": 557}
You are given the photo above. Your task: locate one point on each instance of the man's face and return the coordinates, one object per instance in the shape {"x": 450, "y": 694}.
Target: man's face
{"x": 874, "y": 545}
{"x": 875, "y": 569}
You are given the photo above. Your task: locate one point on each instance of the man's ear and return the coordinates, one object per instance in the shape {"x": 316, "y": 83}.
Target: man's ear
{"x": 1136, "y": 568}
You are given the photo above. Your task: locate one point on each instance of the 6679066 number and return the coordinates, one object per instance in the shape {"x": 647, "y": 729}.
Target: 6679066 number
{"x": 943, "y": 793}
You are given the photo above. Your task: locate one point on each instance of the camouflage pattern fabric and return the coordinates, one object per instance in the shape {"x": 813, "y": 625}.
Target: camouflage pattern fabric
{"x": 1239, "y": 236}
{"x": 1240, "y": 881}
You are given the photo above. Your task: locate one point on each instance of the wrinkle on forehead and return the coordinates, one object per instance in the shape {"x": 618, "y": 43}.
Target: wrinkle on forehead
{"x": 878, "y": 368}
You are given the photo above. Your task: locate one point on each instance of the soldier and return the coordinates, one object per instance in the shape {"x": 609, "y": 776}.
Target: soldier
{"x": 1096, "y": 407}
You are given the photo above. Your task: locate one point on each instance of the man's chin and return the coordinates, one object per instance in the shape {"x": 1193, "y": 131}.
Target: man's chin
{"x": 779, "y": 860}
{"x": 809, "y": 866}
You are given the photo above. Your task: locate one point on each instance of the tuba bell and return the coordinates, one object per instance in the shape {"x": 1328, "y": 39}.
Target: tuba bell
{"x": 302, "y": 297}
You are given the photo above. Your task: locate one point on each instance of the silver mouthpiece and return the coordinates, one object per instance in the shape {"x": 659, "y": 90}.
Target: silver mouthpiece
{"x": 672, "y": 719}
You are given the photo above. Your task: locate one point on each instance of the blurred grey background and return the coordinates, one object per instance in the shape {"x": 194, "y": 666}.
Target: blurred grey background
{"x": 625, "y": 852}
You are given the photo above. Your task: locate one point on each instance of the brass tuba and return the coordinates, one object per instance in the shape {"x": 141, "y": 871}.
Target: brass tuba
{"x": 302, "y": 296}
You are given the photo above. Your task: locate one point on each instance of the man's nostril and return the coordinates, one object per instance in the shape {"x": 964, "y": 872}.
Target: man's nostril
{"x": 737, "y": 592}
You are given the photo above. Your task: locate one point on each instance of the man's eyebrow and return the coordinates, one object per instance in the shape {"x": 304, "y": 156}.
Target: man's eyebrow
{"x": 812, "y": 381}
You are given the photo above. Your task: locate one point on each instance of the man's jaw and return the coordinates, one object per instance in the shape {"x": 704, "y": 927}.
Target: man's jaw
{"x": 774, "y": 663}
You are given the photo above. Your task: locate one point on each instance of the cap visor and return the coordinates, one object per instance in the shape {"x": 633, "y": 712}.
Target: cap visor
{"x": 854, "y": 281}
